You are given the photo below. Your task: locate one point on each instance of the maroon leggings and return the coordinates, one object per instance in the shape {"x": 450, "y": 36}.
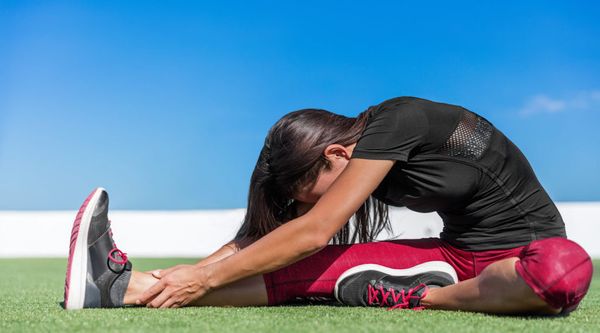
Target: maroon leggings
{"x": 557, "y": 269}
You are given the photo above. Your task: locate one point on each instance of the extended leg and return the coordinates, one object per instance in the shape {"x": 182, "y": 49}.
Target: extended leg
{"x": 310, "y": 277}
{"x": 247, "y": 292}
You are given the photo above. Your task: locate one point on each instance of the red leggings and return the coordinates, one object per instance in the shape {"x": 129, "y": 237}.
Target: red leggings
{"x": 557, "y": 269}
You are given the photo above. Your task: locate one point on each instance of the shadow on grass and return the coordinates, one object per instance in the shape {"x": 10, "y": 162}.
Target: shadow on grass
{"x": 531, "y": 316}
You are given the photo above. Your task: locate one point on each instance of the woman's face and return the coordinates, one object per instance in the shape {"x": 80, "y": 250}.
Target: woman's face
{"x": 338, "y": 156}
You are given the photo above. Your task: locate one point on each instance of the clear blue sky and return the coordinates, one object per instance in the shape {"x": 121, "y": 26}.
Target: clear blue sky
{"x": 167, "y": 104}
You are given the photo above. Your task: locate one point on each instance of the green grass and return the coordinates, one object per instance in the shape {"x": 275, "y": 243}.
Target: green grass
{"x": 31, "y": 289}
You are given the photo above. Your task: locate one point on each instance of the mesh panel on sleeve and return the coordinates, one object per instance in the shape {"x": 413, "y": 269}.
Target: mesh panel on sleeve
{"x": 470, "y": 138}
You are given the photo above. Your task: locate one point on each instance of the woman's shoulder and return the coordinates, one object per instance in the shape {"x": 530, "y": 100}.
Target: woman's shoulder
{"x": 404, "y": 103}
{"x": 411, "y": 106}
{"x": 407, "y": 101}
{"x": 401, "y": 100}
{"x": 399, "y": 106}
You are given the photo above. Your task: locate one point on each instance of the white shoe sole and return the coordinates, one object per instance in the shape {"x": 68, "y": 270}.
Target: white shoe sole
{"x": 438, "y": 266}
{"x": 75, "y": 281}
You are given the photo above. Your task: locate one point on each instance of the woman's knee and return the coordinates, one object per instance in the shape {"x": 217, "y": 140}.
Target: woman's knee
{"x": 558, "y": 270}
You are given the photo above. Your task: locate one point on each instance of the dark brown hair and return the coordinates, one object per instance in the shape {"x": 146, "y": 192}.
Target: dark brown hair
{"x": 291, "y": 158}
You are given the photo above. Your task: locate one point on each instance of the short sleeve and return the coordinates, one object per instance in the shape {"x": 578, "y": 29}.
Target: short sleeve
{"x": 394, "y": 129}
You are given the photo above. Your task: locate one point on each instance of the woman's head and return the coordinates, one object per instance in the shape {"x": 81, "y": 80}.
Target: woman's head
{"x": 337, "y": 157}
{"x": 303, "y": 153}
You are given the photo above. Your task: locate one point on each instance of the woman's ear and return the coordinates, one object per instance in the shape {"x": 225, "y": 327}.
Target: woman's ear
{"x": 336, "y": 151}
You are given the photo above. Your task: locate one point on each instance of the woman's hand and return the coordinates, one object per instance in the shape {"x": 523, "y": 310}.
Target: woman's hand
{"x": 178, "y": 286}
{"x": 159, "y": 273}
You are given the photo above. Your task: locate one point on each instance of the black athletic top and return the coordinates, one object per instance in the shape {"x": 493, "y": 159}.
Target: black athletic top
{"x": 455, "y": 162}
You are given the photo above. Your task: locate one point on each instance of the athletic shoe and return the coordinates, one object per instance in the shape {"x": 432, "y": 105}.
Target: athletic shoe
{"x": 97, "y": 271}
{"x": 376, "y": 285}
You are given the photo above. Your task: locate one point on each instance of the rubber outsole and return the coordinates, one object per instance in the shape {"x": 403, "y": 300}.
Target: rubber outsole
{"x": 75, "y": 280}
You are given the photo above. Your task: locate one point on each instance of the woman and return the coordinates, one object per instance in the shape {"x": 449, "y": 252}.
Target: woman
{"x": 503, "y": 236}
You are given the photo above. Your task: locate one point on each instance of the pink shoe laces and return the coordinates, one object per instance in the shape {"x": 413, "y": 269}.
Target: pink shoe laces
{"x": 119, "y": 253}
{"x": 401, "y": 300}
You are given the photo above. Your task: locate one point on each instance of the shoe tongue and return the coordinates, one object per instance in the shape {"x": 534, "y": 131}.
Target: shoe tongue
{"x": 376, "y": 293}
{"x": 387, "y": 295}
{"x": 99, "y": 251}
{"x": 393, "y": 295}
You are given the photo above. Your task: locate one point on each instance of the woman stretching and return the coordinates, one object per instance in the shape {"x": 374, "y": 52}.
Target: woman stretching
{"x": 323, "y": 182}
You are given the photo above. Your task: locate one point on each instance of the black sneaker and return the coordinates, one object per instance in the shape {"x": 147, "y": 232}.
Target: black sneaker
{"x": 97, "y": 271}
{"x": 376, "y": 285}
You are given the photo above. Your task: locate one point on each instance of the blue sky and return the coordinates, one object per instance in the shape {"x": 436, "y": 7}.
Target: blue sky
{"x": 167, "y": 104}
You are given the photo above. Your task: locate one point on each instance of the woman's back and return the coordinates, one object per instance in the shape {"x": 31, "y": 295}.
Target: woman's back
{"x": 455, "y": 162}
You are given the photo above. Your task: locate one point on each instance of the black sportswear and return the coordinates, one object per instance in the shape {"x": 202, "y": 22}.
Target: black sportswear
{"x": 455, "y": 162}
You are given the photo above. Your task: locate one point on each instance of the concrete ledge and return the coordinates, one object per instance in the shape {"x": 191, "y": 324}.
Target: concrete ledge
{"x": 198, "y": 233}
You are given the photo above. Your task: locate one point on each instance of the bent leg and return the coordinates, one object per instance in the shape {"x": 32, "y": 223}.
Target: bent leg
{"x": 549, "y": 276}
{"x": 499, "y": 289}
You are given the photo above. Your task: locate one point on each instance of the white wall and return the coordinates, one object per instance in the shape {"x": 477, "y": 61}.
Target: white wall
{"x": 197, "y": 233}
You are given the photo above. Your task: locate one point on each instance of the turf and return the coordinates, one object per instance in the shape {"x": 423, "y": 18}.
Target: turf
{"x": 31, "y": 289}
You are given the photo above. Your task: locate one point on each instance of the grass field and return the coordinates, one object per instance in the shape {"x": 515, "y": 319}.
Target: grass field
{"x": 31, "y": 289}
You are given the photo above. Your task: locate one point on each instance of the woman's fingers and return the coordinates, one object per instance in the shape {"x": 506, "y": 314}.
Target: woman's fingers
{"x": 157, "y": 273}
{"x": 151, "y": 292}
{"x": 177, "y": 286}
{"x": 164, "y": 272}
{"x": 160, "y": 273}
{"x": 170, "y": 303}
{"x": 159, "y": 300}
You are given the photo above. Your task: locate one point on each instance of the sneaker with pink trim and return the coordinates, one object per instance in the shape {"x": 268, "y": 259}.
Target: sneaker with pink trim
{"x": 97, "y": 271}
{"x": 376, "y": 285}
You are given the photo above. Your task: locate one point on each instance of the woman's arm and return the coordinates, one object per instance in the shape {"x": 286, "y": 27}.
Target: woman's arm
{"x": 309, "y": 233}
{"x": 225, "y": 251}
{"x": 228, "y": 249}
{"x": 285, "y": 245}
{"x": 236, "y": 245}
